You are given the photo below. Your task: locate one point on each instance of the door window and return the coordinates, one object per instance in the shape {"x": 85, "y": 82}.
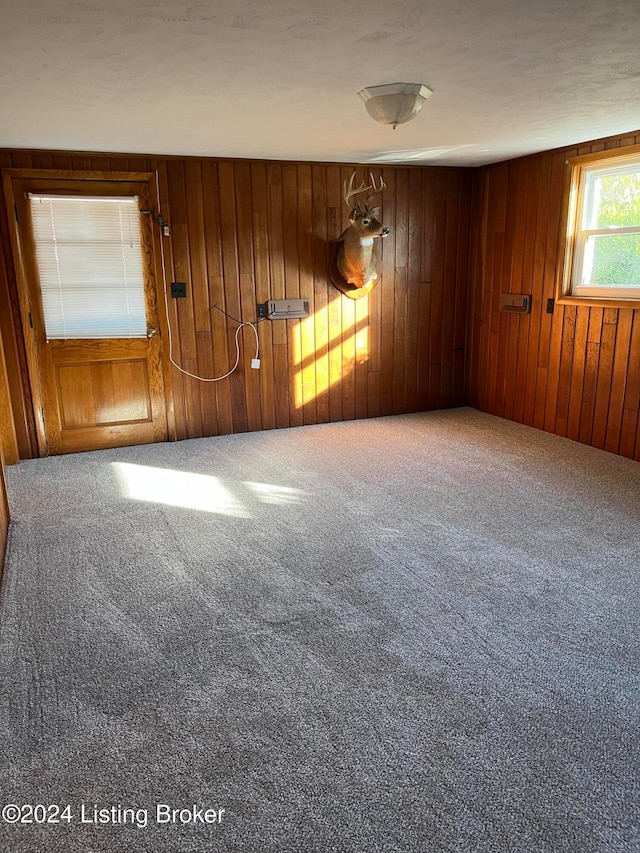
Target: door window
{"x": 90, "y": 266}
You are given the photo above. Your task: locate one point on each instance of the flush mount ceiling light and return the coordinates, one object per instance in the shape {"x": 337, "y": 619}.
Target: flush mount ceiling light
{"x": 395, "y": 103}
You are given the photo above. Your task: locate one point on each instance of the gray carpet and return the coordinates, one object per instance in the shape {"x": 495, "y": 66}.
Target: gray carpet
{"x": 415, "y": 633}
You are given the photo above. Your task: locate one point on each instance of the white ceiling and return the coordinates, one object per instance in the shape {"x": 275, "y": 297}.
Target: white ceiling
{"x": 277, "y": 79}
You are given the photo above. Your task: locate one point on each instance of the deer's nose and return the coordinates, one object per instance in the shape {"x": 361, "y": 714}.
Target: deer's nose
{"x": 386, "y": 230}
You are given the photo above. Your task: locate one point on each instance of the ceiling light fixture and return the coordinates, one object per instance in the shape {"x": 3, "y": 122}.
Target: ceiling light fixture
{"x": 395, "y": 103}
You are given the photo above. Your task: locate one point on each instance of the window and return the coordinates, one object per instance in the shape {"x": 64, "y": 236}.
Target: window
{"x": 90, "y": 266}
{"x": 602, "y": 261}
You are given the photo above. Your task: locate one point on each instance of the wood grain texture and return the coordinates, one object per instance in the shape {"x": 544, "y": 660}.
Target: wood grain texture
{"x": 575, "y": 372}
{"x": 247, "y": 231}
{"x": 4, "y": 514}
{"x": 4, "y": 501}
{"x": 8, "y": 438}
{"x": 90, "y": 394}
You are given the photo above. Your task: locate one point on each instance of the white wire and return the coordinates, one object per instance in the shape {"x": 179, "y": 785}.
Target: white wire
{"x": 166, "y": 308}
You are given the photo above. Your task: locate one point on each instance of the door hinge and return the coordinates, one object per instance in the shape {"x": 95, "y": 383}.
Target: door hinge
{"x": 30, "y": 320}
{"x": 43, "y": 418}
{"x": 15, "y": 210}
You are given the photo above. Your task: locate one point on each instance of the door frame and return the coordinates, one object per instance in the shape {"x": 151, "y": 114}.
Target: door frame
{"x": 24, "y": 298}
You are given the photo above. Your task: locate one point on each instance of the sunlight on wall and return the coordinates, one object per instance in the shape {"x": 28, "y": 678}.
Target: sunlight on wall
{"x": 315, "y": 363}
{"x": 199, "y": 491}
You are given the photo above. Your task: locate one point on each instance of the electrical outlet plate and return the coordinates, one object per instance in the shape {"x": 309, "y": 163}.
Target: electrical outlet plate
{"x": 178, "y": 289}
{"x": 287, "y": 309}
{"x": 515, "y": 303}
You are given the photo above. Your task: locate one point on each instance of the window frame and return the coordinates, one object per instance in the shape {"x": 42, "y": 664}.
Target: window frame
{"x": 578, "y": 168}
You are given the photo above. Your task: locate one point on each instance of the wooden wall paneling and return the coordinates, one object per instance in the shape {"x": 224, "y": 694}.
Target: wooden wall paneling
{"x": 5, "y": 516}
{"x": 8, "y": 433}
{"x": 245, "y": 231}
{"x": 348, "y": 337}
{"x": 517, "y": 208}
{"x": 485, "y": 272}
{"x": 292, "y": 290}
{"x": 261, "y": 251}
{"x": 450, "y": 249}
{"x": 135, "y": 164}
{"x": 603, "y": 381}
{"x": 84, "y": 163}
{"x": 318, "y": 263}
{"x": 579, "y": 360}
{"x": 439, "y": 214}
{"x": 348, "y": 381}
{"x": 228, "y": 231}
{"x": 244, "y": 220}
{"x": 494, "y": 264}
{"x": 174, "y": 380}
{"x": 594, "y": 334}
{"x": 546, "y": 382}
{"x": 462, "y": 291}
{"x": 537, "y": 288}
{"x": 553, "y": 370}
{"x": 387, "y": 295}
{"x": 575, "y": 370}
{"x": 477, "y": 240}
{"x": 497, "y": 320}
{"x": 42, "y": 160}
{"x": 374, "y": 340}
{"x": 526, "y": 284}
{"x": 361, "y": 365}
{"x": 424, "y": 291}
{"x": 8, "y": 438}
{"x": 306, "y": 358}
{"x": 65, "y": 161}
{"x": 373, "y": 323}
{"x": 24, "y": 160}
{"x": 188, "y": 354}
{"x": 278, "y": 330}
{"x": 11, "y": 331}
{"x": 202, "y": 310}
{"x": 415, "y": 204}
{"x": 566, "y": 361}
{"x": 401, "y": 287}
{"x": 102, "y": 163}
{"x": 336, "y": 222}
{"x": 220, "y": 393}
{"x": 629, "y": 445}
{"x": 615, "y": 408}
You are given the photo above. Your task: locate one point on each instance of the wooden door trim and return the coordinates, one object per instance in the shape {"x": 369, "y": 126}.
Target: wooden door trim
{"x": 79, "y": 175}
{"x": 27, "y": 308}
{"x": 24, "y": 300}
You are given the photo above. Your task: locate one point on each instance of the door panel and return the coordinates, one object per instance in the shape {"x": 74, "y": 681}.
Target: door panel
{"x": 93, "y": 393}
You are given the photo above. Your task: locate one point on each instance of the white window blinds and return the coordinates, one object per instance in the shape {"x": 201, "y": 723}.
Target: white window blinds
{"x": 90, "y": 264}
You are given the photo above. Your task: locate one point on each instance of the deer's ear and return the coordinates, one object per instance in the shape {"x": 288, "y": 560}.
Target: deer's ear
{"x": 376, "y": 211}
{"x": 354, "y": 213}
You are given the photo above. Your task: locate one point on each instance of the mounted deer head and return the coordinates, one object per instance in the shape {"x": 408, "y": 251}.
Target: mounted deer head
{"x": 357, "y": 259}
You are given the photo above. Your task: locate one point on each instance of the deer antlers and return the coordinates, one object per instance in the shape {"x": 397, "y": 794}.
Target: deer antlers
{"x": 349, "y": 191}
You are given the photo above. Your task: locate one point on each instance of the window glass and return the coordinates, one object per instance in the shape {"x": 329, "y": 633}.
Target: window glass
{"x": 90, "y": 266}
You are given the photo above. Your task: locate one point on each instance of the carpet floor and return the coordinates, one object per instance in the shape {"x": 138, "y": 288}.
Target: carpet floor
{"x": 416, "y": 633}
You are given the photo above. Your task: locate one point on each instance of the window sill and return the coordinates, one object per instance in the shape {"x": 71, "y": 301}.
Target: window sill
{"x": 598, "y": 302}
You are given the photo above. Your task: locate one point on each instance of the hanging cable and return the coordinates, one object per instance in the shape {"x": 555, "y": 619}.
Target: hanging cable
{"x": 241, "y": 324}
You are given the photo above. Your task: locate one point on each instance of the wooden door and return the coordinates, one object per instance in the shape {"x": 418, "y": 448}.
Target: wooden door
{"x": 97, "y": 392}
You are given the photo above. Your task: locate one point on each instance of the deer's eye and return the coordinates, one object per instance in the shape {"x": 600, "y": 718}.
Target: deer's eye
{"x": 366, "y": 222}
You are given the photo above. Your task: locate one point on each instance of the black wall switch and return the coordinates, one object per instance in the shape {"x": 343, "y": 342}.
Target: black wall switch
{"x": 550, "y": 305}
{"x": 178, "y": 289}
